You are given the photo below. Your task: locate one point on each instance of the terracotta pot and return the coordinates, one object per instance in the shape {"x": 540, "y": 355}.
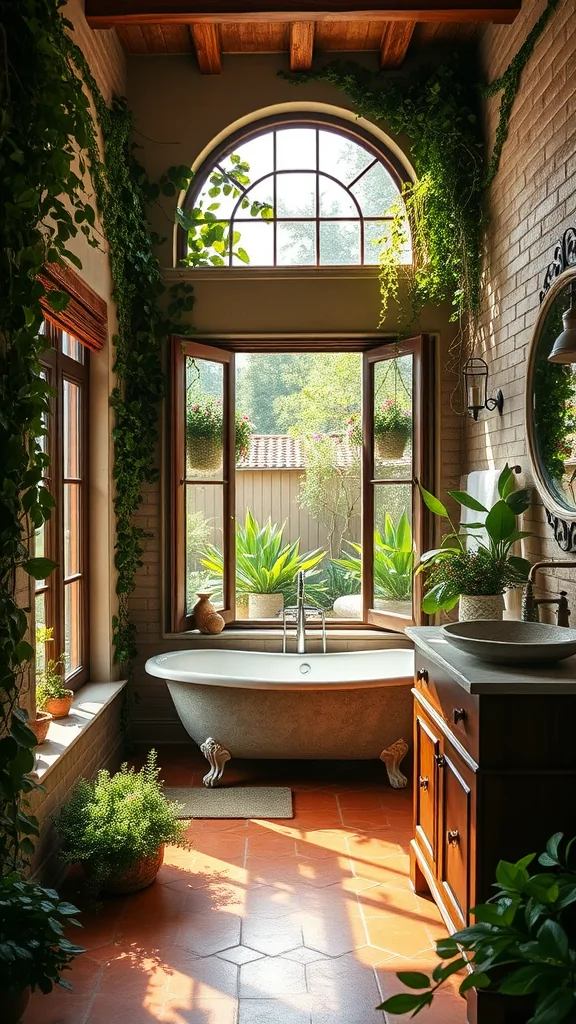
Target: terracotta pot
{"x": 40, "y": 725}
{"x": 59, "y": 707}
{"x": 13, "y": 1005}
{"x": 390, "y": 445}
{"x": 206, "y": 618}
{"x": 265, "y": 606}
{"x": 138, "y": 877}
{"x": 480, "y": 606}
{"x": 204, "y": 455}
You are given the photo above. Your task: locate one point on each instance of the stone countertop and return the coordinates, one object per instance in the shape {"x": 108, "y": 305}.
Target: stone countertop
{"x": 480, "y": 677}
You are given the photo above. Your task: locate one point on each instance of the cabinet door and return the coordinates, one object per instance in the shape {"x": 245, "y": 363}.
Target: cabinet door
{"x": 457, "y": 782}
{"x": 427, "y": 758}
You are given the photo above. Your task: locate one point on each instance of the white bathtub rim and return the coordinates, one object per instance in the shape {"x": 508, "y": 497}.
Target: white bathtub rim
{"x": 159, "y": 666}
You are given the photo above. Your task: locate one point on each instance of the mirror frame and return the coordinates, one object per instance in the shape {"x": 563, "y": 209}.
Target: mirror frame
{"x": 558, "y": 274}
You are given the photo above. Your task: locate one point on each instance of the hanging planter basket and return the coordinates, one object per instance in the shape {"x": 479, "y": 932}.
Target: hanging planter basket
{"x": 391, "y": 445}
{"x": 204, "y": 454}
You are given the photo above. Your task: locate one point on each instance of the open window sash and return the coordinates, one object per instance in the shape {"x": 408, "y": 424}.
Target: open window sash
{"x": 203, "y": 483}
{"x": 396, "y": 376}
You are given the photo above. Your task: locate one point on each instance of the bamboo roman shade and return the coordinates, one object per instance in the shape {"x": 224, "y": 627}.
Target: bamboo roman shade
{"x": 85, "y": 316}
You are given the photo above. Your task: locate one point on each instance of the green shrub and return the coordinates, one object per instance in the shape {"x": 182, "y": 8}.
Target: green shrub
{"x": 393, "y": 560}
{"x": 113, "y": 820}
{"x": 33, "y": 948}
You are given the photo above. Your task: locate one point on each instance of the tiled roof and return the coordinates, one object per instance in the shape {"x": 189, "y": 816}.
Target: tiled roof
{"x": 280, "y": 451}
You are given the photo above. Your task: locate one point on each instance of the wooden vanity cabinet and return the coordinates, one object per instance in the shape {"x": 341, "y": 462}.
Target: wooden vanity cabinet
{"x": 494, "y": 776}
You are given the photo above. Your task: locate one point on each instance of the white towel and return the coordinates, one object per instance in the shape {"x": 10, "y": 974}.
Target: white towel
{"x": 482, "y": 485}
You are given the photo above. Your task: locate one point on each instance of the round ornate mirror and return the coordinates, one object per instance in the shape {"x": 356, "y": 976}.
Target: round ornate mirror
{"x": 551, "y": 412}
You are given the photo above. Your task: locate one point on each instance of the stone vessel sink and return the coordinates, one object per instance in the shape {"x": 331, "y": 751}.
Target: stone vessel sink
{"x": 511, "y": 642}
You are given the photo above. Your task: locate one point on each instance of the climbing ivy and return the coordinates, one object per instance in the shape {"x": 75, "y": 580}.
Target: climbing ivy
{"x": 438, "y": 109}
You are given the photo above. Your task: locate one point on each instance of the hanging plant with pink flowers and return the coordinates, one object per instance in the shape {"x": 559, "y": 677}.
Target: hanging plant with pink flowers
{"x": 205, "y": 431}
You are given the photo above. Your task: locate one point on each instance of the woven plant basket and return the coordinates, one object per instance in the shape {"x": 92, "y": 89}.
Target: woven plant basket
{"x": 140, "y": 876}
{"x": 59, "y": 707}
{"x": 390, "y": 446}
{"x": 480, "y": 606}
{"x": 204, "y": 454}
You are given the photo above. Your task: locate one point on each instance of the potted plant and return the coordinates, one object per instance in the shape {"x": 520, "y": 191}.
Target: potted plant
{"x": 266, "y": 569}
{"x": 51, "y": 694}
{"x": 33, "y": 949}
{"x": 476, "y": 576}
{"x": 392, "y": 429}
{"x": 523, "y": 943}
{"x": 117, "y": 825}
{"x": 393, "y": 562}
{"x": 40, "y": 725}
{"x": 205, "y": 432}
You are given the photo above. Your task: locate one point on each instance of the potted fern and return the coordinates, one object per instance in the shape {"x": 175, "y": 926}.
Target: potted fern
{"x": 52, "y": 696}
{"x": 476, "y": 576}
{"x": 117, "y": 826}
{"x": 522, "y": 945}
{"x": 266, "y": 568}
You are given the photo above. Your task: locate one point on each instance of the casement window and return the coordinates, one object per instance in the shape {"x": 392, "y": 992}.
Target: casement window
{"x": 321, "y": 464}
{"x": 74, "y": 335}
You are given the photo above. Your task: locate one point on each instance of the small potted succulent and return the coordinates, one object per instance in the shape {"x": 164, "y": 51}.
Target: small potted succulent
{"x": 117, "y": 825}
{"x": 33, "y": 949}
{"x": 205, "y": 433}
{"x": 52, "y": 697}
{"x": 476, "y": 575}
{"x": 392, "y": 429}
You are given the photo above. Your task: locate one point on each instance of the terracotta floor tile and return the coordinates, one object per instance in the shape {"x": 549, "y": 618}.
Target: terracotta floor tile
{"x": 209, "y": 933}
{"x": 272, "y": 937}
{"x": 343, "y": 991}
{"x": 240, "y": 955}
{"x": 272, "y": 1011}
{"x": 271, "y": 978}
{"x": 448, "y": 1007}
{"x": 204, "y": 1011}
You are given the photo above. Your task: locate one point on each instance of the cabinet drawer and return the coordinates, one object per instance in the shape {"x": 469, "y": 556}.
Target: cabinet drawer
{"x": 458, "y": 708}
{"x": 427, "y": 760}
{"x": 456, "y": 782}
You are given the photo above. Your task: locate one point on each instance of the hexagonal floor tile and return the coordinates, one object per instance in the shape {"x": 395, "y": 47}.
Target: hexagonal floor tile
{"x": 271, "y": 978}
{"x": 271, "y": 937}
{"x": 209, "y": 933}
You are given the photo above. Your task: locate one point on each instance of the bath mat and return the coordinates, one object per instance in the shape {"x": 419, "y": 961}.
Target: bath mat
{"x": 235, "y": 802}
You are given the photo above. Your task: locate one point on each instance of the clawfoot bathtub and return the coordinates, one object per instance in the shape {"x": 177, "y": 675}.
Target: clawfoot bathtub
{"x": 350, "y": 706}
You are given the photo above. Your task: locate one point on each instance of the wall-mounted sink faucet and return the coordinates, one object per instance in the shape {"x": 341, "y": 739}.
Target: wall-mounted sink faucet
{"x": 531, "y": 604}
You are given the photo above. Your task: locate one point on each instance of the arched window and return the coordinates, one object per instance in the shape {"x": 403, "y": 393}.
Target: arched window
{"x": 292, "y": 192}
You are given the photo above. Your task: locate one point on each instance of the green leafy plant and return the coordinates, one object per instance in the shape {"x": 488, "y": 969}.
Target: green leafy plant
{"x": 392, "y": 418}
{"x": 205, "y": 421}
{"x": 453, "y": 566}
{"x": 264, "y": 564}
{"x": 112, "y": 821}
{"x": 393, "y": 560}
{"x": 523, "y": 942}
{"x": 212, "y": 242}
{"x": 49, "y": 681}
{"x": 33, "y": 948}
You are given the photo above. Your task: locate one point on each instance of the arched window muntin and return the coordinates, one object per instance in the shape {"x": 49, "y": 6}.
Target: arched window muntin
{"x": 378, "y": 153}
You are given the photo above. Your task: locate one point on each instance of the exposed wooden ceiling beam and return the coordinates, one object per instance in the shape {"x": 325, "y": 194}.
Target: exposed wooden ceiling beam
{"x": 301, "y": 45}
{"x": 108, "y": 13}
{"x": 395, "y": 42}
{"x": 206, "y": 39}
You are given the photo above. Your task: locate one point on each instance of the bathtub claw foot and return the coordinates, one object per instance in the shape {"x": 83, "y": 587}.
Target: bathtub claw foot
{"x": 393, "y": 757}
{"x": 217, "y": 756}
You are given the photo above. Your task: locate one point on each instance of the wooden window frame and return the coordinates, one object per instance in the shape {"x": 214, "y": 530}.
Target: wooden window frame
{"x": 60, "y": 367}
{"x": 422, "y": 349}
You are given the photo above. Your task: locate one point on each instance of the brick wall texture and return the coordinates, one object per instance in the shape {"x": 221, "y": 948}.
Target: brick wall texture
{"x": 532, "y": 201}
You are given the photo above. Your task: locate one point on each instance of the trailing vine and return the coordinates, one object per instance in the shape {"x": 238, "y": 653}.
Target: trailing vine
{"x": 438, "y": 109}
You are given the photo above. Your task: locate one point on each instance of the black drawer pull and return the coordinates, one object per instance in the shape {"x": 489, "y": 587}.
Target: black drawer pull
{"x": 423, "y": 782}
{"x": 422, "y": 675}
{"x": 453, "y": 837}
{"x": 440, "y": 760}
{"x": 459, "y": 715}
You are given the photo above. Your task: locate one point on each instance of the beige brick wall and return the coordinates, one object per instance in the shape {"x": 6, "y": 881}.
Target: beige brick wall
{"x": 532, "y": 201}
{"x": 99, "y": 746}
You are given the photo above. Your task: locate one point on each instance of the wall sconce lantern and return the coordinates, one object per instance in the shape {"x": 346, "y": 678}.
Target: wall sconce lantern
{"x": 475, "y": 373}
{"x": 564, "y": 349}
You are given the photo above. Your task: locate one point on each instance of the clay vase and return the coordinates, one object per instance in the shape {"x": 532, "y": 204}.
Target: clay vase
{"x": 206, "y": 618}
{"x": 40, "y": 725}
{"x": 59, "y": 707}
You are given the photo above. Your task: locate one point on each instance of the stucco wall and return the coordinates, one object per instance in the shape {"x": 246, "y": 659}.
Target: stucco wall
{"x": 532, "y": 201}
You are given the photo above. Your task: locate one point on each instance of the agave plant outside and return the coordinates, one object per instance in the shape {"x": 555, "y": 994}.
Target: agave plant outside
{"x": 393, "y": 560}
{"x": 264, "y": 564}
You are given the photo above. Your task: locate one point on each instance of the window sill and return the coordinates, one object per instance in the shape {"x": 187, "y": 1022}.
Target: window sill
{"x": 362, "y": 633}
{"x": 88, "y": 704}
{"x": 174, "y": 274}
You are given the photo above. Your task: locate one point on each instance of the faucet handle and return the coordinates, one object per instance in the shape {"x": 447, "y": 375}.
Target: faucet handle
{"x": 563, "y": 609}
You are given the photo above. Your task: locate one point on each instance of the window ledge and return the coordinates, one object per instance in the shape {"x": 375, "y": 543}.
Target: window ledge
{"x": 190, "y": 274}
{"x": 362, "y": 633}
{"x": 88, "y": 704}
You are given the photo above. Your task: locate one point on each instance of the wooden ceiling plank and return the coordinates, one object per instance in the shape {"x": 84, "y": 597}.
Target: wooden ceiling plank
{"x": 154, "y": 37}
{"x": 395, "y": 42}
{"x": 132, "y": 38}
{"x": 301, "y": 45}
{"x": 206, "y": 39}
{"x": 110, "y": 13}
{"x": 255, "y": 37}
{"x": 177, "y": 38}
